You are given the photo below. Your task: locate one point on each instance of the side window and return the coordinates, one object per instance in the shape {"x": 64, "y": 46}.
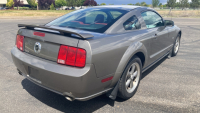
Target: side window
{"x": 152, "y": 19}
{"x": 132, "y": 24}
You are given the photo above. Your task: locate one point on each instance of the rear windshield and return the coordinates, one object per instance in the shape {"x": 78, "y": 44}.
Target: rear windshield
{"x": 91, "y": 19}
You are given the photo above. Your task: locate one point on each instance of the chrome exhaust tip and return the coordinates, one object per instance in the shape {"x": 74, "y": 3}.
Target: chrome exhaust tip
{"x": 69, "y": 98}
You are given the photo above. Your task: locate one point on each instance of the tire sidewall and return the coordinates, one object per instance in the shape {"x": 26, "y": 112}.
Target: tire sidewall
{"x": 122, "y": 88}
{"x": 173, "y": 52}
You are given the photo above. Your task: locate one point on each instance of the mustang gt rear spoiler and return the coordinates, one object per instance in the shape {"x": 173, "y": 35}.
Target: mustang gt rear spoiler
{"x": 82, "y": 35}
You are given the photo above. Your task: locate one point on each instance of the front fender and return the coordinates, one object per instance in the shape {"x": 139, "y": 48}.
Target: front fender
{"x": 129, "y": 53}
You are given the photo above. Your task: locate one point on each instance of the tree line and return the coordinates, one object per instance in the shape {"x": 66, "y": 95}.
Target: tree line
{"x": 183, "y": 4}
{"x": 170, "y": 3}
{"x": 45, "y": 4}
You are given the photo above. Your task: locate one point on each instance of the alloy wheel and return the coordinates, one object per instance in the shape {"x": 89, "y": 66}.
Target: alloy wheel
{"x": 177, "y": 44}
{"x": 132, "y": 77}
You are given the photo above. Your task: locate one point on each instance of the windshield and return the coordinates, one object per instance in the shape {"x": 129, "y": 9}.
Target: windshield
{"x": 90, "y": 19}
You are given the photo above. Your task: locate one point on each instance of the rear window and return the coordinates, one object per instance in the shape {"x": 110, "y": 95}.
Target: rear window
{"x": 91, "y": 19}
{"x": 115, "y": 14}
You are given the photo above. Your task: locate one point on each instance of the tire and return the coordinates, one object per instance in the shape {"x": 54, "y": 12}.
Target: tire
{"x": 130, "y": 75}
{"x": 176, "y": 46}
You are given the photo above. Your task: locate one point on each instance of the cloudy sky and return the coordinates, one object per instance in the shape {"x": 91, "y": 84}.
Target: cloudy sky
{"x": 119, "y": 2}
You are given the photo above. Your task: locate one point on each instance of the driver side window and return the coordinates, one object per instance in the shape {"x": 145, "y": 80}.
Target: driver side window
{"x": 152, "y": 19}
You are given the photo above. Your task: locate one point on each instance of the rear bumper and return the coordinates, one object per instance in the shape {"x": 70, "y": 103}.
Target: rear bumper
{"x": 78, "y": 83}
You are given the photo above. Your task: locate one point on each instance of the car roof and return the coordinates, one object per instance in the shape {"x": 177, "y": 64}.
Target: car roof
{"x": 124, "y": 7}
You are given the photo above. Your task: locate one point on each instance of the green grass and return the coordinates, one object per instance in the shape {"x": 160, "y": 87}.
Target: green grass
{"x": 32, "y": 13}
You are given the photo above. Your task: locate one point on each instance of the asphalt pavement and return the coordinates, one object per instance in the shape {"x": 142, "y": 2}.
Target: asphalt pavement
{"x": 172, "y": 85}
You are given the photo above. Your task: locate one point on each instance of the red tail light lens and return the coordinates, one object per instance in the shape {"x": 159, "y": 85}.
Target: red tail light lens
{"x": 71, "y": 56}
{"x": 80, "y": 58}
{"x": 19, "y": 42}
{"x": 62, "y": 54}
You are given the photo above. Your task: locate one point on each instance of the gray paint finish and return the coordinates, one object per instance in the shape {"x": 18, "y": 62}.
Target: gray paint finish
{"x": 48, "y": 50}
{"x": 107, "y": 55}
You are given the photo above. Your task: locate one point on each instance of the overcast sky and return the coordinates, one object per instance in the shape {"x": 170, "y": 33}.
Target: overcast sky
{"x": 120, "y": 2}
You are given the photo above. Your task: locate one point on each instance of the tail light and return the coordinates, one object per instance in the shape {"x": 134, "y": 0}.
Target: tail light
{"x": 19, "y": 42}
{"x": 71, "y": 56}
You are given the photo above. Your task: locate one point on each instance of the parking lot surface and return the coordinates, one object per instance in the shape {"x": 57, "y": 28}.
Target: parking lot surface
{"x": 172, "y": 85}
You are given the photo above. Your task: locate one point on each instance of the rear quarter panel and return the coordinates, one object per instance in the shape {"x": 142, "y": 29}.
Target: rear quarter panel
{"x": 111, "y": 53}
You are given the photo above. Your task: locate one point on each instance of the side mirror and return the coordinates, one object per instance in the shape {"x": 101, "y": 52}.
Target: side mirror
{"x": 169, "y": 23}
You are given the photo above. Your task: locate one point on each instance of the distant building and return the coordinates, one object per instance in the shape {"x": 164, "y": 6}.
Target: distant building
{"x": 4, "y": 2}
{"x": 180, "y": 0}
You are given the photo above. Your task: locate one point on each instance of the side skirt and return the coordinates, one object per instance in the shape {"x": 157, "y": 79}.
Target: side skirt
{"x": 146, "y": 68}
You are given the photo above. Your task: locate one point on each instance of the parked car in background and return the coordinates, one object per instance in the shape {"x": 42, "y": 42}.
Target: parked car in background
{"x": 5, "y": 8}
{"x": 67, "y": 9}
{"x": 72, "y": 8}
{"x": 2, "y": 8}
{"x": 89, "y": 52}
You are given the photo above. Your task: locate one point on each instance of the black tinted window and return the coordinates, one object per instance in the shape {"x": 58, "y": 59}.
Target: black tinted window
{"x": 132, "y": 24}
{"x": 152, "y": 19}
{"x": 91, "y": 19}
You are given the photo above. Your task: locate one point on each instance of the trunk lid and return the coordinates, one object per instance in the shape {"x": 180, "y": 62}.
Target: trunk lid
{"x": 50, "y": 43}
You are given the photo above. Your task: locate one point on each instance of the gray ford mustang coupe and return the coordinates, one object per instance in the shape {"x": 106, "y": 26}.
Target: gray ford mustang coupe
{"x": 93, "y": 51}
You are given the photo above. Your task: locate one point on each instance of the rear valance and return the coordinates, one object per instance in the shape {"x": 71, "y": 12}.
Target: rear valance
{"x": 82, "y": 35}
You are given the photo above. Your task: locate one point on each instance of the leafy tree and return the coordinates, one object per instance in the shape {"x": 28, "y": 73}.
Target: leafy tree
{"x": 79, "y": 3}
{"x": 10, "y": 3}
{"x": 144, "y": 4}
{"x": 184, "y": 4}
{"x": 32, "y": 3}
{"x": 129, "y": 4}
{"x": 149, "y": 5}
{"x": 137, "y": 4}
{"x": 44, "y": 4}
{"x": 60, "y": 3}
{"x": 82, "y": 2}
{"x": 195, "y": 4}
{"x": 155, "y": 3}
{"x": 90, "y": 3}
{"x": 93, "y": 3}
{"x": 103, "y": 4}
{"x": 160, "y": 5}
{"x": 165, "y": 5}
{"x": 52, "y": 7}
{"x": 177, "y": 4}
{"x": 18, "y": 3}
{"x": 171, "y": 3}
{"x": 71, "y": 3}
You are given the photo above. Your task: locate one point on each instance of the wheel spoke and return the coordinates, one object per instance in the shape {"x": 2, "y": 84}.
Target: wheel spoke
{"x": 132, "y": 70}
{"x": 128, "y": 82}
{"x": 134, "y": 75}
{"x": 131, "y": 84}
{"x": 176, "y": 44}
